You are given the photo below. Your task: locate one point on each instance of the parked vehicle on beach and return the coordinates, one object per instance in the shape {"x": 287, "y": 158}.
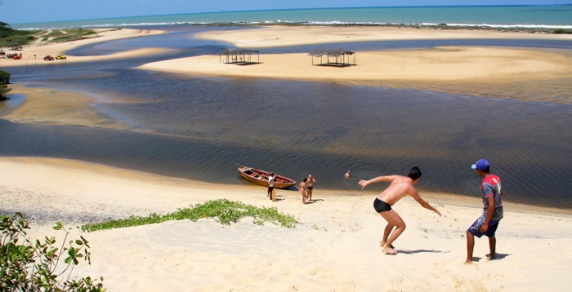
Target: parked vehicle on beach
{"x": 48, "y": 58}
{"x": 16, "y": 57}
{"x": 61, "y": 57}
{"x": 260, "y": 177}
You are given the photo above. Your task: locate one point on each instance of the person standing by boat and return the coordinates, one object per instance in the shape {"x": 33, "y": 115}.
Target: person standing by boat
{"x": 310, "y": 186}
{"x": 271, "y": 180}
{"x": 304, "y": 190}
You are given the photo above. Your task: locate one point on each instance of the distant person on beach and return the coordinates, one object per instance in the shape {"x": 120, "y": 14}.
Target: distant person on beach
{"x": 310, "y": 186}
{"x": 304, "y": 190}
{"x": 271, "y": 180}
{"x": 488, "y": 223}
{"x": 348, "y": 174}
{"x": 400, "y": 187}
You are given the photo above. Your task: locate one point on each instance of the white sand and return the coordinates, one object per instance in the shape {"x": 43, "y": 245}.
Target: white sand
{"x": 276, "y": 36}
{"x": 34, "y": 54}
{"x": 521, "y": 73}
{"x": 336, "y": 248}
{"x": 443, "y": 64}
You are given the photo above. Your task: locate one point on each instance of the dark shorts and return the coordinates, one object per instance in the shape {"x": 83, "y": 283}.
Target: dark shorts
{"x": 381, "y": 206}
{"x": 270, "y": 189}
{"x": 475, "y": 229}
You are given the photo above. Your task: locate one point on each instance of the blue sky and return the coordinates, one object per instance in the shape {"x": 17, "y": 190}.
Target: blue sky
{"x": 26, "y": 11}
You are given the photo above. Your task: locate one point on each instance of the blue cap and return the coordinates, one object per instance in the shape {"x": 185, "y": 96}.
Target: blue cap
{"x": 482, "y": 164}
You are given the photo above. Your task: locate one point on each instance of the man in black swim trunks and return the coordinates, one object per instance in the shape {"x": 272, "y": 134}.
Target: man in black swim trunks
{"x": 400, "y": 187}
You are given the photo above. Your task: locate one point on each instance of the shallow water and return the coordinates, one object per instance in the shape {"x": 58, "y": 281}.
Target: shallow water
{"x": 198, "y": 127}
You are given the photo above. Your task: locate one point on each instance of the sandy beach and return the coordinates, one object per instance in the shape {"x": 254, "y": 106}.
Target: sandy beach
{"x": 335, "y": 248}
{"x": 34, "y": 54}
{"x": 480, "y": 71}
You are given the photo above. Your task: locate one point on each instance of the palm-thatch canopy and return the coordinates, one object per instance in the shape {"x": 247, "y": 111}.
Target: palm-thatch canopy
{"x": 238, "y": 56}
{"x": 342, "y": 57}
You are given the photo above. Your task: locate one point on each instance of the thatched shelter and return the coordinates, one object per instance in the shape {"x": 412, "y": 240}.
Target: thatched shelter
{"x": 238, "y": 56}
{"x": 342, "y": 57}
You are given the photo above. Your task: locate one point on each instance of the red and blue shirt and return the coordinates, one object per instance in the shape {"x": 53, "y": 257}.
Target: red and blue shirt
{"x": 491, "y": 188}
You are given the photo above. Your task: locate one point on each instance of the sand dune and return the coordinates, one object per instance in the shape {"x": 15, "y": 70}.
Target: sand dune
{"x": 336, "y": 248}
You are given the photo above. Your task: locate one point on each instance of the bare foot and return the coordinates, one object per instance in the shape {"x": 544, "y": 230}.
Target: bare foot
{"x": 382, "y": 244}
{"x": 491, "y": 257}
{"x": 389, "y": 251}
{"x": 468, "y": 262}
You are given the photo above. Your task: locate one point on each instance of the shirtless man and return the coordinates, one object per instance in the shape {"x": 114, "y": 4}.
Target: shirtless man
{"x": 400, "y": 187}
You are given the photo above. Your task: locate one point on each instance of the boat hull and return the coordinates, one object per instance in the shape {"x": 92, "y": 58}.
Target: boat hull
{"x": 260, "y": 177}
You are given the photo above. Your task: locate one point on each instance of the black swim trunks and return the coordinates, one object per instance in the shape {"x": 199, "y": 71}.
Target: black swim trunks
{"x": 381, "y": 206}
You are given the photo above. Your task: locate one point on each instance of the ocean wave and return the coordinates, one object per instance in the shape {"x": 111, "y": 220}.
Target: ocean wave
{"x": 331, "y": 22}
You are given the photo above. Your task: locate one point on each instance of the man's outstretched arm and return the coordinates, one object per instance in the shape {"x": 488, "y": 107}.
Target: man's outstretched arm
{"x": 384, "y": 178}
{"x": 423, "y": 203}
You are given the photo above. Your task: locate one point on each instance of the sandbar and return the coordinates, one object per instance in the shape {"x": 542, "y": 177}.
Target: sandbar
{"x": 482, "y": 71}
{"x": 336, "y": 248}
{"x": 278, "y": 36}
{"x": 50, "y": 106}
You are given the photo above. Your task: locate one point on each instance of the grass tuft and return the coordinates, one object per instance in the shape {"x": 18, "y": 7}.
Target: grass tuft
{"x": 223, "y": 210}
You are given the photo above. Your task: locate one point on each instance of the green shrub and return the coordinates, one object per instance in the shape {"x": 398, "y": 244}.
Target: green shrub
{"x": 223, "y": 210}
{"x": 27, "y": 266}
{"x": 561, "y": 31}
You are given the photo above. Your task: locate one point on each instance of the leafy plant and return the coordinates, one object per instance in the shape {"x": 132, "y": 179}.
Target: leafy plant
{"x": 4, "y": 79}
{"x": 223, "y": 210}
{"x": 27, "y": 266}
{"x": 562, "y": 31}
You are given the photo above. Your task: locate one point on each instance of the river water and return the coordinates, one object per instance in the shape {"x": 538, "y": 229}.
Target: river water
{"x": 198, "y": 127}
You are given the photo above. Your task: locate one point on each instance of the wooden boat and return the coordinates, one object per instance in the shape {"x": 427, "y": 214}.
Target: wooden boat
{"x": 260, "y": 177}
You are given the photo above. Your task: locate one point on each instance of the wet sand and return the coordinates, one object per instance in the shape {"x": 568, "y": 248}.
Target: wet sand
{"x": 48, "y": 106}
{"x": 335, "y": 248}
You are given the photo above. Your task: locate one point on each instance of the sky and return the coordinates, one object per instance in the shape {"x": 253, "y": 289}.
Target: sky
{"x": 28, "y": 11}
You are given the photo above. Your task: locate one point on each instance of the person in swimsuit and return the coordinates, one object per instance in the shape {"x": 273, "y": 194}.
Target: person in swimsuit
{"x": 348, "y": 174}
{"x": 271, "y": 179}
{"x": 493, "y": 211}
{"x": 310, "y": 186}
{"x": 303, "y": 190}
{"x": 400, "y": 186}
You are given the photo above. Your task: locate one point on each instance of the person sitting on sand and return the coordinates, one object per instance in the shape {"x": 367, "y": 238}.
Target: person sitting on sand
{"x": 348, "y": 174}
{"x": 304, "y": 190}
{"x": 400, "y": 187}
{"x": 488, "y": 223}
{"x": 271, "y": 179}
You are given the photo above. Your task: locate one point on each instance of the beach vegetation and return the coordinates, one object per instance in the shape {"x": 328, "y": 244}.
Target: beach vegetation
{"x": 4, "y": 81}
{"x": 562, "y": 31}
{"x": 36, "y": 266}
{"x": 67, "y": 35}
{"x": 222, "y": 210}
{"x": 10, "y": 36}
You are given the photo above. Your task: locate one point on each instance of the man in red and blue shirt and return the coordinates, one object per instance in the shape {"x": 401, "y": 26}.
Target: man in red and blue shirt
{"x": 488, "y": 223}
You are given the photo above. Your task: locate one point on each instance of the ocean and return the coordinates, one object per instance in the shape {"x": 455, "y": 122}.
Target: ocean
{"x": 552, "y": 17}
